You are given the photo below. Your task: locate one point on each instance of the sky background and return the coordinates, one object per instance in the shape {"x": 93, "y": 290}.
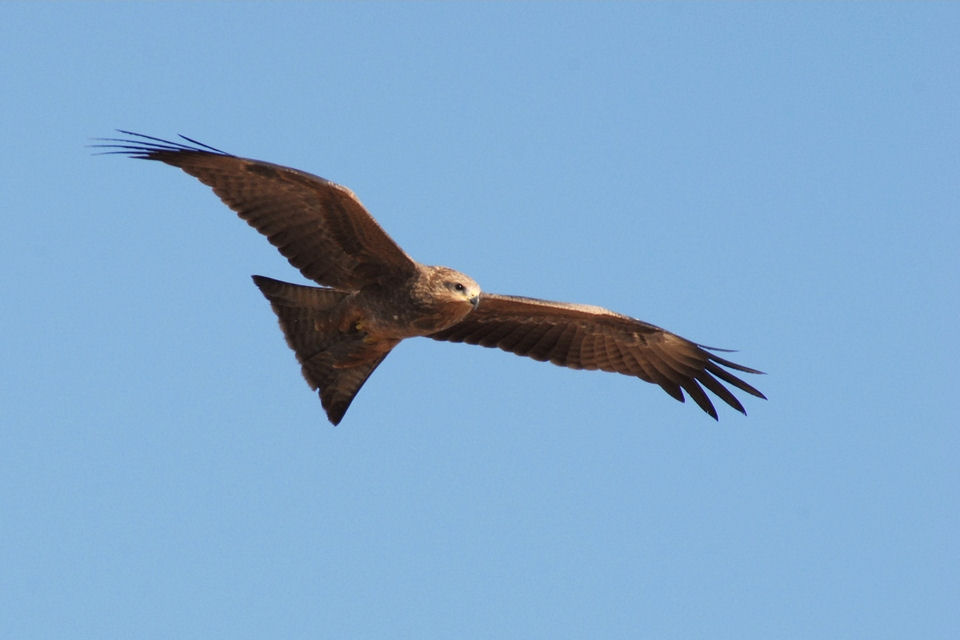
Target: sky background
{"x": 782, "y": 179}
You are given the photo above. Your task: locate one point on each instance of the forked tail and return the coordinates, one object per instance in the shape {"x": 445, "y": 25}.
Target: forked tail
{"x": 306, "y": 317}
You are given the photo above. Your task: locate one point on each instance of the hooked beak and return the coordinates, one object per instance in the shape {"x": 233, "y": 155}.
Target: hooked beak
{"x": 475, "y": 301}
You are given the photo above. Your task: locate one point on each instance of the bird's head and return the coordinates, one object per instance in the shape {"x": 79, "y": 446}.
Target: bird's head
{"x": 441, "y": 297}
{"x": 450, "y": 286}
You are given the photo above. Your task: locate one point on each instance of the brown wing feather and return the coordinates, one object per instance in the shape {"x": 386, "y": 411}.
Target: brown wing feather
{"x": 588, "y": 337}
{"x": 319, "y": 226}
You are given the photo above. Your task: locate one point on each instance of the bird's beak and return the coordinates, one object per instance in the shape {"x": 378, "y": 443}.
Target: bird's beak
{"x": 475, "y": 301}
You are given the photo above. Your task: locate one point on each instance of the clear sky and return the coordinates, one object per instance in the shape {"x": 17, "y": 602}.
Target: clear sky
{"x": 782, "y": 179}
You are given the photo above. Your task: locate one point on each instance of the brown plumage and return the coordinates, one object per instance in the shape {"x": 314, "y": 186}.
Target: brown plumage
{"x": 375, "y": 295}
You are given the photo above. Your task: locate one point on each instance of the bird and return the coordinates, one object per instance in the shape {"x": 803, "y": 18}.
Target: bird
{"x": 372, "y": 295}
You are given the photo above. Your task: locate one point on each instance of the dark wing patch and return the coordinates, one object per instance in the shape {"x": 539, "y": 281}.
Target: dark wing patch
{"x": 589, "y": 337}
{"x": 319, "y": 226}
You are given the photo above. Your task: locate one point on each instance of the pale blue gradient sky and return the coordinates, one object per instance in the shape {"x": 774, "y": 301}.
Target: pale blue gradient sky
{"x": 783, "y": 179}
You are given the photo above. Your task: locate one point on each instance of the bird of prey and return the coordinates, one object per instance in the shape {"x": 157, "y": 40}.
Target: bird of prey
{"x": 374, "y": 295}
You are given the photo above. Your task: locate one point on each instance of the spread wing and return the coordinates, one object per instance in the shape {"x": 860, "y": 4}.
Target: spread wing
{"x": 319, "y": 226}
{"x": 588, "y": 337}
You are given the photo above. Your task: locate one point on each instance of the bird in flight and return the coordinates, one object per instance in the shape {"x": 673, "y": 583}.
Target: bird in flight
{"x": 374, "y": 295}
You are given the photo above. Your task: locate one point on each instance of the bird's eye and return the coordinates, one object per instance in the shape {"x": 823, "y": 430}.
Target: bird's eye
{"x": 459, "y": 287}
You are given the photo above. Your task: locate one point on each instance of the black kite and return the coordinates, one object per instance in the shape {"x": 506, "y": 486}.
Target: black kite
{"x": 374, "y": 295}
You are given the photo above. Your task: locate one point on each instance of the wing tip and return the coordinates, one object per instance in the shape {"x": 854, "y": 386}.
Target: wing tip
{"x": 711, "y": 368}
{"x": 143, "y": 147}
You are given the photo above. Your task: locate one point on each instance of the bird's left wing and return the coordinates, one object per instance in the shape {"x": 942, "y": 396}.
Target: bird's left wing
{"x": 319, "y": 226}
{"x": 589, "y": 337}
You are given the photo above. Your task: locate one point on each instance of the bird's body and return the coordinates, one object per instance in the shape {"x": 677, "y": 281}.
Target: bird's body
{"x": 341, "y": 336}
{"x": 375, "y": 295}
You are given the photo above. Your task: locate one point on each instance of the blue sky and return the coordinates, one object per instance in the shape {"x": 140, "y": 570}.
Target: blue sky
{"x": 783, "y": 179}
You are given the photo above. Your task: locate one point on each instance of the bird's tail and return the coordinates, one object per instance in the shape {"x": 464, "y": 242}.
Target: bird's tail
{"x": 307, "y": 318}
